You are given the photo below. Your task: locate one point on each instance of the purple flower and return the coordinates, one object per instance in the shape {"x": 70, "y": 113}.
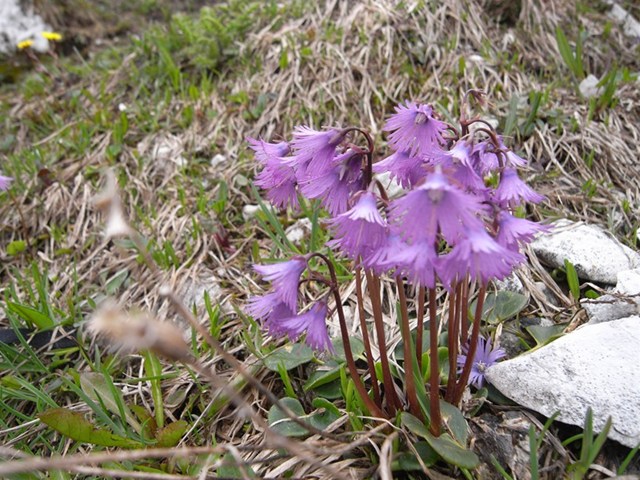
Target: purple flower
{"x": 5, "y": 182}
{"x": 285, "y": 277}
{"x": 434, "y": 206}
{"x": 513, "y": 230}
{"x": 382, "y": 259}
{"x": 479, "y": 256}
{"x": 360, "y": 229}
{"x": 418, "y": 262}
{"x": 314, "y": 150}
{"x": 484, "y": 357}
{"x": 512, "y": 191}
{"x": 269, "y": 309}
{"x": 312, "y": 321}
{"x": 279, "y": 181}
{"x": 459, "y": 164}
{"x": 413, "y": 128}
{"x": 265, "y": 151}
{"x": 407, "y": 169}
{"x": 486, "y": 156}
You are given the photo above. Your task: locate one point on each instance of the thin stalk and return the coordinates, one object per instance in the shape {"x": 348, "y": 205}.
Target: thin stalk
{"x": 373, "y": 408}
{"x": 434, "y": 380}
{"x": 365, "y": 338}
{"x": 420, "y": 326}
{"x": 473, "y": 344}
{"x": 409, "y": 377}
{"x": 387, "y": 379}
{"x": 452, "y": 320}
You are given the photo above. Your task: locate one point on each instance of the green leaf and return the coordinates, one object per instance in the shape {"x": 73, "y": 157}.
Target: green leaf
{"x": 97, "y": 389}
{"x": 572, "y": 279}
{"x": 455, "y": 421}
{"x": 170, "y": 435}
{"x": 282, "y": 424}
{"x": 444, "y": 445}
{"x": 501, "y": 306}
{"x": 75, "y": 426}
{"x": 31, "y": 315}
{"x": 328, "y": 414}
{"x": 357, "y": 349}
{"x": 289, "y": 356}
{"x": 321, "y": 377}
{"x": 407, "y": 461}
{"x": 545, "y": 334}
{"x": 16, "y": 247}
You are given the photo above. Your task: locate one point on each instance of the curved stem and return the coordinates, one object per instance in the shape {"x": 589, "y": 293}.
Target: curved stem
{"x": 434, "y": 378}
{"x": 368, "y": 170}
{"x": 374, "y": 409}
{"x": 452, "y": 319}
{"x": 473, "y": 344}
{"x": 409, "y": 377}
{"x": 365, "y": 338}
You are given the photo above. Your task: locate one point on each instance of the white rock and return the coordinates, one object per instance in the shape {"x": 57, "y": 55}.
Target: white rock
{"x": 595, "y": 254}
{"x": 250, "y": 211}
{"x": 623, "y": 302}
{"x": 296, "y": 232}
{"x": 589, "y": 87}
{"x": 391, "y": 186}
{"x": 17, "y": 25}
{"x": 217, "y": 159}
{"x": 630, "y": 25}
{"x": 595, "y": 366}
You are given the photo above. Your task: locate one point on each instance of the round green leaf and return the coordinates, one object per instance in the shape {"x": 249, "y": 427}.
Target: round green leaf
{"x": 290, "y": 356}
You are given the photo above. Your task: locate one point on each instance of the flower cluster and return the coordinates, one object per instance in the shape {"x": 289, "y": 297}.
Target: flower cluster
{"x": 455, "y": 222}
{"x": 278, "y": 309}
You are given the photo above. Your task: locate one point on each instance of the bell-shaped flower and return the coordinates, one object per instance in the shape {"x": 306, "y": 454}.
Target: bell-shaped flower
{"x": 265, "y": 151}
{"x": 418, "y": 262}
{"x": 314, "y": 150}
{"x": 415, "y": 129}
{"x": 512, "y": 231}
{"x": 269, "y": 309}
{"x": 480, "y": 256}
{"x": 405, "y": 168}
{"x": 285, "y": 277}
{"x": 432, "y": 207}
{"x": 512, "y": 191}
{"x": 313, "y": 322}
{"x": 360, "y": 229}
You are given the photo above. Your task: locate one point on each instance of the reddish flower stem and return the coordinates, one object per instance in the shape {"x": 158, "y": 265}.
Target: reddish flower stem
{"x": 473, "y": 344}
{"x": 366, "y": 339}
{"x": 420, "y": 326}
{"x": 409, "y": 378}
{"x": 387, "y": 380}
{"x": 434, "y": 380}
{"x": 374, "y": 409}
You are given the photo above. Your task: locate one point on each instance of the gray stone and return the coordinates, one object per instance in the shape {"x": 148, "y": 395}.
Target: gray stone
{"x": 512, "y": 284}
{"x": 250, "y": 211}
{"x": 596, "y": 255}
{"x": 18, "y": 24}
{"x": 595, "y": 366}
{"x": 589, "y": 87}
{"x": 623, "y": 302}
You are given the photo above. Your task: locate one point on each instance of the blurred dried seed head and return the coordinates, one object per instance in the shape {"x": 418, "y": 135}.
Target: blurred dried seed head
{"x": 109, "y": 202}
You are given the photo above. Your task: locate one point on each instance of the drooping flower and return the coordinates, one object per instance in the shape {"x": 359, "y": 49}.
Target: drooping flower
{"x": 314, "y": 150}
{"x": 415, "y": 129}
{"x": 313, "y": 322}
{"x": 487, "y": 156}
{"x": 404, "y": 167}
{"x": 360, "y": 229}
{"x": 418, "y": 262}
{"x": 512, "y": 191}
{"x": 459, "y": 164}
{"x": 285, "y": 277}
{"x": 269, "y": 309}
{"x": 484, "y": 357}
{"x": 334, "y": 187}
{"x": 436, "y": 205}
{"x": 513, "y": 230}
{"x": 5, "y": 182}
{"x": 265, "y": 151}
{"x": 480, "y": 256}
{"x": 279, "y": 181}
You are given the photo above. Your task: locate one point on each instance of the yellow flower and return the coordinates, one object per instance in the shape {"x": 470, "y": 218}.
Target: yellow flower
{"x": 25, "y": 44}
{"x": 54, "y": 36}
